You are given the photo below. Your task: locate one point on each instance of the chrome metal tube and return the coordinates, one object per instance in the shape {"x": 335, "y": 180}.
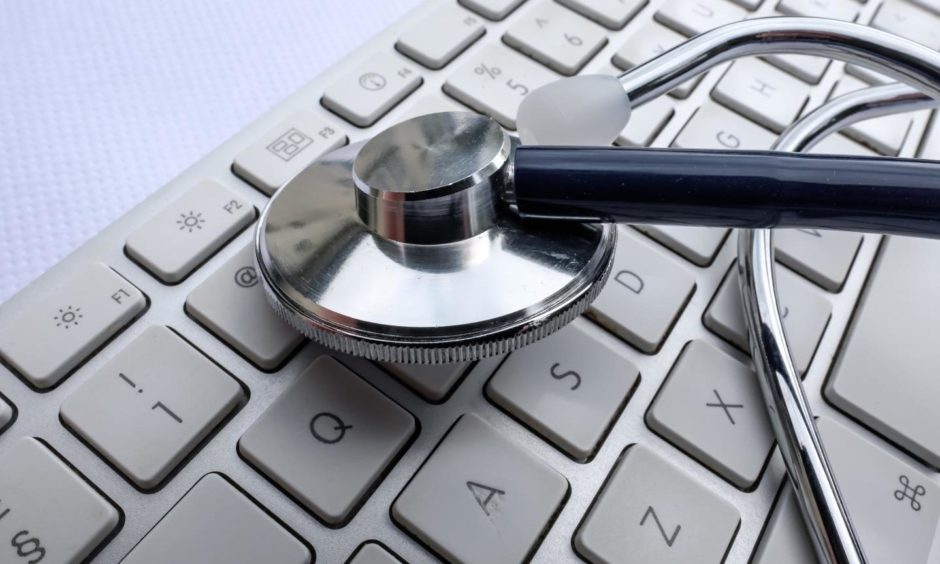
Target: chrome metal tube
{"x": 802, "y": 450}
{"x": 913, "y": 64}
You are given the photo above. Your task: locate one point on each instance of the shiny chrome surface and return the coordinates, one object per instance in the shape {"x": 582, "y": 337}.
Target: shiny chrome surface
{"x": 913, "y": 64}
{"x": 433, "y": 178}
{"x": 339, "y": 283}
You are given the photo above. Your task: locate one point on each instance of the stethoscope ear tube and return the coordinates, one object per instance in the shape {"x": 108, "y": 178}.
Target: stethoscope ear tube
{"x": 740, "y": 189}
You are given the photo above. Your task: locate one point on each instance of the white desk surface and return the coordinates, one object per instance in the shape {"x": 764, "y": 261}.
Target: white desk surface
{"x": 104, "y": 101}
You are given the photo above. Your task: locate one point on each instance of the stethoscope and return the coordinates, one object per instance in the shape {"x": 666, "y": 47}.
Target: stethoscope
{"x": 438, "y": 239}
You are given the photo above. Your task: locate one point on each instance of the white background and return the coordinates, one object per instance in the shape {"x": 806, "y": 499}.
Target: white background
{"x": 103, "y": 101}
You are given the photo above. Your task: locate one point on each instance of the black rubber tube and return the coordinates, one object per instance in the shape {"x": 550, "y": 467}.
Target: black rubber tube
{"x": 747, "y": 189}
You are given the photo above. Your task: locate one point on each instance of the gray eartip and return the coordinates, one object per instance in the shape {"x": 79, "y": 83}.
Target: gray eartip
{"x": 581, "y": 110}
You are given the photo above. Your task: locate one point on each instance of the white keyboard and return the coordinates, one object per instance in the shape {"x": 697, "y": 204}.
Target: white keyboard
{"x": 153, "y": 409}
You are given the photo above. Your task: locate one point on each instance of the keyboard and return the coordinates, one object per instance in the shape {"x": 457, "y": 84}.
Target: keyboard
{"x": 153, "y": 408}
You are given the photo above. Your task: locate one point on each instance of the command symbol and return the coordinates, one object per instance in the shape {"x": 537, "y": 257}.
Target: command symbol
{"x": 908, "y": 492}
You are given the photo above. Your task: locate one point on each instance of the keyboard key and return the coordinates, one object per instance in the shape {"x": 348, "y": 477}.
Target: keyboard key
{"x": 893, "y": 505}
{"x": 908, "y": 21}
{"x": 651, "y": 511}
{"x": 189, "y": 231}
{"x": 697, "y": 244}
{"x": 286, "y": 150}
{"x": 650, "y": 41}
{"x": 838, "y": 144}
{"x": 231, "y": 304}
{"x": 749, "y": 5}
{"x": 646, "y": 122}
{"x": 784, "y": 539}
{"x": 373, "y": 553}
{"x": 930, "y": 147}
{"x": 328, "y": 440}
{"x": 867, "y": 75}
{"x": 762, "y": 93}
{"x": 884, "y": 134}
{"x": 47, "y": 340}
{"x": 432, "y": 105}
{"x": 492, "y": 9}
{"x": 216, "y": 523}
{"x": 570, "y": 388}
{"x": 613, "y": 14}
{"x": 433, "y": 382}
{"x": 845, "y": 10}
{"x": 714, "y": 127}
{"x": 151, "y": 405}
{"x": 556, "y": 37}
{"x": 711, "y": 407}
{"x": 882, "y": 375}
{"x": 805, "y": 315}
{"x": 692, "y": 17}
{"x": 480, "y": 497}
{"x": 806, "y": 68}
{"x": 6, "y": 414}
{"x": 495, "y": 80}
{"x": 48, "y": 513}
{"x": 932, "y": 5}
{"x": 371, "y": 90}
{"x": 436, "y": 40}
{"x": 824, "y": 257}
{"x": 644, "y": 296}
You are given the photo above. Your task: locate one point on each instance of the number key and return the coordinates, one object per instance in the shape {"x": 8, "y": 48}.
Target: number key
{"x": 150, "y": 406}
{"x": 557, "y": 37}
{"x": 569, "y": 387}
{"x": 495, "y": 80}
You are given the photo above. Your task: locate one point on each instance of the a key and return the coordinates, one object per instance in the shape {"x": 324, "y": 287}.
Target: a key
{"x": 692, "y": 17}
{"x": 715, "y": 127}
{"x": 711, "y": 407}
{"x": 556, "y": 37}
{"x": 646, "y": 122}
{"x": 879, "y": 376}
{"x": 216, "y": 523}
{"x": 433, "y": 382}
{"x": 932, "y": 5}
{"x": 650, "y": 41}
{"x": 784, "y": 540}
{"x": 570, "y": 388}
{"x": 697, "y": 244}
{"x": 47, "y": 340}
{"x": 495, "y": 80}
{"x": 612, "y": 14}
{"x": 48, "y": 513}
{"x": 644, "y": 296}
{"x": 372, "y": 552}
{"x": 930, "y": 146}
{"x": 372, "y": 89}
{"x": 804, "y": 311}
{"x": 846, "y": 10}
{"x": 492, "y": 9}
{"x": 328, "y": 440}
{"x": 436, "y": 40}
{"x": 6, "y": 414}
{"x": 649, "y": 510}
{"x": 480, "y": 497}
{"x": 762, "y": 93}
{"x": 806, "y": 68}
{"x": 838, "y": 144}
{"x": 885, "y": 134}
{"x": 231, "y": 304}
{"x": 868, "y": 75}
{"x": 907, "y": 20}
{"x": 823, "y": 257}
{"x": 286, "y": 150}
{"x": 150, "y": 405}
{"x": 189, "y": 231}
{"x": 894, "y": 506}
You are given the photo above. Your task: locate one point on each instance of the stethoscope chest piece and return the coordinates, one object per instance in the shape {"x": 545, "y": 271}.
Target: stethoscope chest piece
{"x": 400, "y": 249}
